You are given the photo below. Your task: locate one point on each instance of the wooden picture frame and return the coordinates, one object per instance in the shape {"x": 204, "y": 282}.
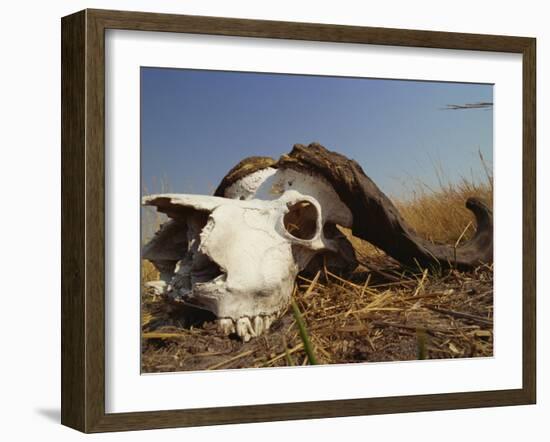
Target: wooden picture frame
{"x": 83, "y": 220}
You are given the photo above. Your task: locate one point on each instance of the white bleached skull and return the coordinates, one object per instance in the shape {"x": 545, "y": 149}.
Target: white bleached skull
{"x": 238, "y": 256}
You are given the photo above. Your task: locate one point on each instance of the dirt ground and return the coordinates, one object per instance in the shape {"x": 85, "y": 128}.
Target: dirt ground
{"x": 380, "y": 312}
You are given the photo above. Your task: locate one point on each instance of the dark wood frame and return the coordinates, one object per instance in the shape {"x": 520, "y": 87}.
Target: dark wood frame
{"x": 83, "y": 216}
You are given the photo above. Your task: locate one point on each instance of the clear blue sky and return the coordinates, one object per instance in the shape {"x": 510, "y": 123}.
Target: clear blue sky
{"x": 196, "y": 125}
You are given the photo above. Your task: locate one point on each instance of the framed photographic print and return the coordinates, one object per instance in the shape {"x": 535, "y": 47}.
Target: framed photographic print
{"x": 271, "y": 220}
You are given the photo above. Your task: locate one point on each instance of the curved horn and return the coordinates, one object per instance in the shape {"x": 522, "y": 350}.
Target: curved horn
{"x": 377, "y": 220}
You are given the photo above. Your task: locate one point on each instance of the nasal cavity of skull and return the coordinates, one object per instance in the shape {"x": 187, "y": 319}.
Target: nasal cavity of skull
{"x": 196, "y": 264}
{"x": 301, "y": 220}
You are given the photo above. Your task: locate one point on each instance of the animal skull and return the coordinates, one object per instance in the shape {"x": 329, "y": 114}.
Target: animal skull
{"x": 238, "y": 257}
{"x": 237, "y": 254}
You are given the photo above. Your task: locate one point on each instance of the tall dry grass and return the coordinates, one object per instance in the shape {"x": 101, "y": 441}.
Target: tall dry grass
{"x": 148, "y": 272}
{"x": 438, "y": 214}
{"x": 442, "y": 216}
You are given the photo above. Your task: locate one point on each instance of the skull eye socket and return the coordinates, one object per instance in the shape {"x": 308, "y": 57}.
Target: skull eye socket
{"x": 301, "y": 220}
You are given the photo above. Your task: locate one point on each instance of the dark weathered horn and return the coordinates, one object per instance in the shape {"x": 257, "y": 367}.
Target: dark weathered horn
{"x": 377, "y": 220}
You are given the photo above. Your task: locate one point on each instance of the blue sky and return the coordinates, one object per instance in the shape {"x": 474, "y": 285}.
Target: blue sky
{"x": 196, "y": 125}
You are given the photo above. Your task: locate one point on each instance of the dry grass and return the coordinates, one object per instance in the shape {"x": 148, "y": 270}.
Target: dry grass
{"x": 380, "y": 312}
{"x": 361, "y": 319}
{"x": 148, "y": 272}
{"x": 443, "y": 217}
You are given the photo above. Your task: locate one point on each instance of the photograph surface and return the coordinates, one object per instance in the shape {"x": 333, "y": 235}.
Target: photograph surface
{"x": 297, "y": 220}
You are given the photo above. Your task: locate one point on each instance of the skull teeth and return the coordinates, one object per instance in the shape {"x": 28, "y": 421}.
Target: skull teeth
{"x": 258, "y": 325}
{"x": 246, "y": 328}
{"x": 226, "y": 326}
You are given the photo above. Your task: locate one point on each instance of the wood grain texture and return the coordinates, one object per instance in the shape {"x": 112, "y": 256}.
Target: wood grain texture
{"x": 144, "y": 21}
{"x": 73, "y": 254}
{"x": 95, "y": 221}
{"x": 83, "y": 219}
{"x": 529, "y": 221}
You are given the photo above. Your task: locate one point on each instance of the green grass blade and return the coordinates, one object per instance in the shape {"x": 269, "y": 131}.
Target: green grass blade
{"x": 303, "y": 334}
{"x": 421, "y": 343}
